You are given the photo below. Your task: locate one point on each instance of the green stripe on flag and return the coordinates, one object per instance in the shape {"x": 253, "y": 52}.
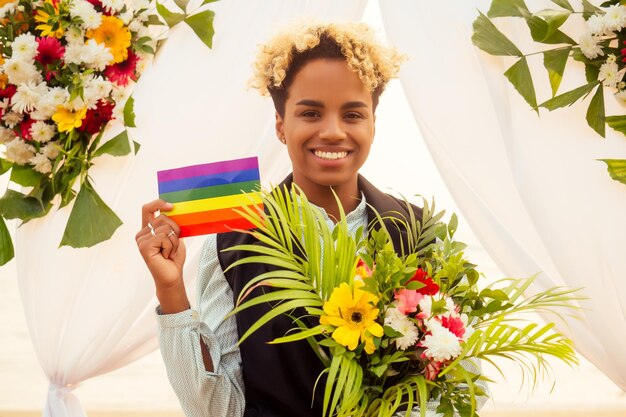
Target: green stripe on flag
{"x": 210, "y": 192}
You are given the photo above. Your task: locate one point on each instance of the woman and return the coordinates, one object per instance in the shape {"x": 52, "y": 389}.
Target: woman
{"x": 325, "y": 81}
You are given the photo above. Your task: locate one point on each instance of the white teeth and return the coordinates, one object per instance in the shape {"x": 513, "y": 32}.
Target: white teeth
{"x": 331, "y": 155}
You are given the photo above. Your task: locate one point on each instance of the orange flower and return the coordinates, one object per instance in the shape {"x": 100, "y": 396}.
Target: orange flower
{"x": 114, "y": 35}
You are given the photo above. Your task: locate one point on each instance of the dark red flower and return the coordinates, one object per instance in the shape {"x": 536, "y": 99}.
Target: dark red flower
{"x": 8, "y": 91}
{"x": 121, "y": 73}
{"x": 430, "y": 287}
{"x": 432, "y": 370}
{"x": 96, "y": 118}
{"x": 50, "y": 50}
{"x": 25, "y": 128}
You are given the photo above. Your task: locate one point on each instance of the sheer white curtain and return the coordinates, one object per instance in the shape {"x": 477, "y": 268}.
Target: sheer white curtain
{"x": 90, "y": 311}
{"x": 530, "y": 187}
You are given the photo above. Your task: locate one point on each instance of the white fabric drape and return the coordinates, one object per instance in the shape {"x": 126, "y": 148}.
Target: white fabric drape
{"x": 90, "y": 311}
{"x": 530, "y": 187}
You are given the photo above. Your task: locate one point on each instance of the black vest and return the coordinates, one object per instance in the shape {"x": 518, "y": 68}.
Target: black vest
{"x": 279, "y": 379}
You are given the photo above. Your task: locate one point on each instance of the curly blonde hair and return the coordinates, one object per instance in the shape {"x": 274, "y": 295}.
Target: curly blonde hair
{"x": 280, "y": 59}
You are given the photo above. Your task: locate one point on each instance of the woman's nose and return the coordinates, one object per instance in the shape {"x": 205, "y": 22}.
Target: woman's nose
{"x": 332, "y": 129}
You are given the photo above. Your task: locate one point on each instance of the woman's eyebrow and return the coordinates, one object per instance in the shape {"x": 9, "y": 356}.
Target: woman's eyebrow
{"x": 348, "y": 105}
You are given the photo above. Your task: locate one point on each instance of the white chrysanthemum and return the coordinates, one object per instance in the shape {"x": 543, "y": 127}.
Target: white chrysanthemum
{"x": 48, "y": 105}
{"x": 135, "y": 26}
{"x": 589, "y": 46}
{"x": 126, "y": 17}
{"x": 51, "y": 150}
{"x": 611, "y": 58}
{"x": 615, "y": 18}
{"x": 27, "y": 96}
{"x": 401, "y": 323}
{"x": 6, "y": 135}
{"x": 24, "y": 47}
{"x": 74, "y": 52}
{"x": 18, "y": 151}
{"x": 441, "y": 345}
{"x": 41, "y": 163}
{"x": 42, "y": 132}
{"x": 140, "y": 4}
{"x": 87, "y": 13}
{"x": 8, "y": 9}
{"x": 469, "y": 329}
{"x": 426, "y": 305}
{"x": 451, "y": 308}
{"x": 98, "y": 88}
{"x": 20, "y": 71}
{"x": 11, "y": 119}
{"x": 4, "y": 104}
{"x": 113, "y": 5}
{"x": 596, "y": 24}
{"x": 73, "y": 35}
{"x": 97, "y": 55}
{"x": 609, "y": 74}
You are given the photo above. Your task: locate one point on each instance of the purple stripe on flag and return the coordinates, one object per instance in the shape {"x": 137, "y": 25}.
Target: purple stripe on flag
{"x": 208, "y": 169}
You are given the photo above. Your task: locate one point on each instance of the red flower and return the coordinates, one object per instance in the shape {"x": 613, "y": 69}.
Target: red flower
{"x": 25, "y": 129}
{"x": 50, "y": 50}
{"x": 455, "y": 325}
{"x": 96, "y": 118}
{"x": 124, "y": 71}
{"x": 430, "y": 287}
{"x": 8, "y": 91}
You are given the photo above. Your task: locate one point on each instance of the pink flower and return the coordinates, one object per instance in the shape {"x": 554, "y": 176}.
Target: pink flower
{"x": 49, "y": 50}
{"x": 432, "y": 369}
{"x": 407, "y": 300}
{"x": 25, "y": 129}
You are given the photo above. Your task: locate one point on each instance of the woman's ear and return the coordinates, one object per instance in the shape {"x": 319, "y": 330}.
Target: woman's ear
{"x": 280, "y": 128}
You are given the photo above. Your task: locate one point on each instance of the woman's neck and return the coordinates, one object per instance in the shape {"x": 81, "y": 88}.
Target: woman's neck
{"x": 323, "y": 196}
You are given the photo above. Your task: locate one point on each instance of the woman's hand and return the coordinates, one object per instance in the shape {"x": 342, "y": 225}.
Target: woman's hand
{"x": 164, "y": 254}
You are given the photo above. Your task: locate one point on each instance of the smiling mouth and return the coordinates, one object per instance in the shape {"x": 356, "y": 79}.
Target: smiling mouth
{"x": 330, "y": 156}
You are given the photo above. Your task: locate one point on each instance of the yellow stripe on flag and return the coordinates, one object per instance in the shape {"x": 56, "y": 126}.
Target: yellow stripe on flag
{"x": 215, "y": 203}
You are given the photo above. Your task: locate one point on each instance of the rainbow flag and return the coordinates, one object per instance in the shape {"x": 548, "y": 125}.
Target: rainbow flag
{"x": 205, "y": 196}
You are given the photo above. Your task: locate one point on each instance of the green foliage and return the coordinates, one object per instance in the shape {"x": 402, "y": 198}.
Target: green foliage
{"x": 6, "y": 245}
{"x": 618, "y": 123}
{"x": 202, "y": 24}
{"x": 595, "y": 112}
{"x": 488, "y": 38}
{"x": 564, "y": 4}
{"x": 91, "y": 221}
{"x": 505, "y": 8}
{"x": 129, "y": 112}
{"x": 554, "y": 61}
{"x": 616, "y": 168}
{"x": 519, "y": 76}
{"x": 117, "y": 146}
{"x": 569, "y": 98}
{"x": 171, "y": 18}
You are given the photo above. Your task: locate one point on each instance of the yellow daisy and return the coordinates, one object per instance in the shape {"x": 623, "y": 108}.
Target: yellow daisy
{"x": 114, "y": 35}
{"x": 46, "y": 26}
{"x": 68, "y": 120}
{"x": 353, "y": 312}
{"x": 3, "y": 77}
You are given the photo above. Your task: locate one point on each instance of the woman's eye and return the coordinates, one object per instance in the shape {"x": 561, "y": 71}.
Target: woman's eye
{"x": 310, "y": 113}
{"x": 353, "y": 115}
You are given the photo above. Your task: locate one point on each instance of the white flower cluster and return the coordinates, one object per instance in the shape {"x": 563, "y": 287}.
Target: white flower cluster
{"x": 599, "y": 26}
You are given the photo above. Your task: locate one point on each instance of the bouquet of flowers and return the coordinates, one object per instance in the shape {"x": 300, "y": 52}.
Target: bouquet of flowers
{"x": 395, "y": 331}
{"x": 601, "y": 48}
{"x": 67, "y": 69}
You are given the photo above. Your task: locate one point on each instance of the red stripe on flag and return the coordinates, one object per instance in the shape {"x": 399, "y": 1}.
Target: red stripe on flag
{"x": 209, "y": 216}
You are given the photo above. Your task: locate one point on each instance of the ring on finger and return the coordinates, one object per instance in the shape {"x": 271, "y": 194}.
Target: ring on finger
{"x": 150, "y": 226}
{"x": 152, "y": 231}
{"x": 170, "y": 233}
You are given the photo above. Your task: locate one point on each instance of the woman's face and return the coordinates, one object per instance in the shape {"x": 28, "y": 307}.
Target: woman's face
{"x": 328, "y": 126}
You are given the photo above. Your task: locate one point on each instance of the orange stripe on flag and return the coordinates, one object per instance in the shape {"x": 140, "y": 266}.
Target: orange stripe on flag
{"x": 215, "y": 227}
{"x": 209, "y": 216}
